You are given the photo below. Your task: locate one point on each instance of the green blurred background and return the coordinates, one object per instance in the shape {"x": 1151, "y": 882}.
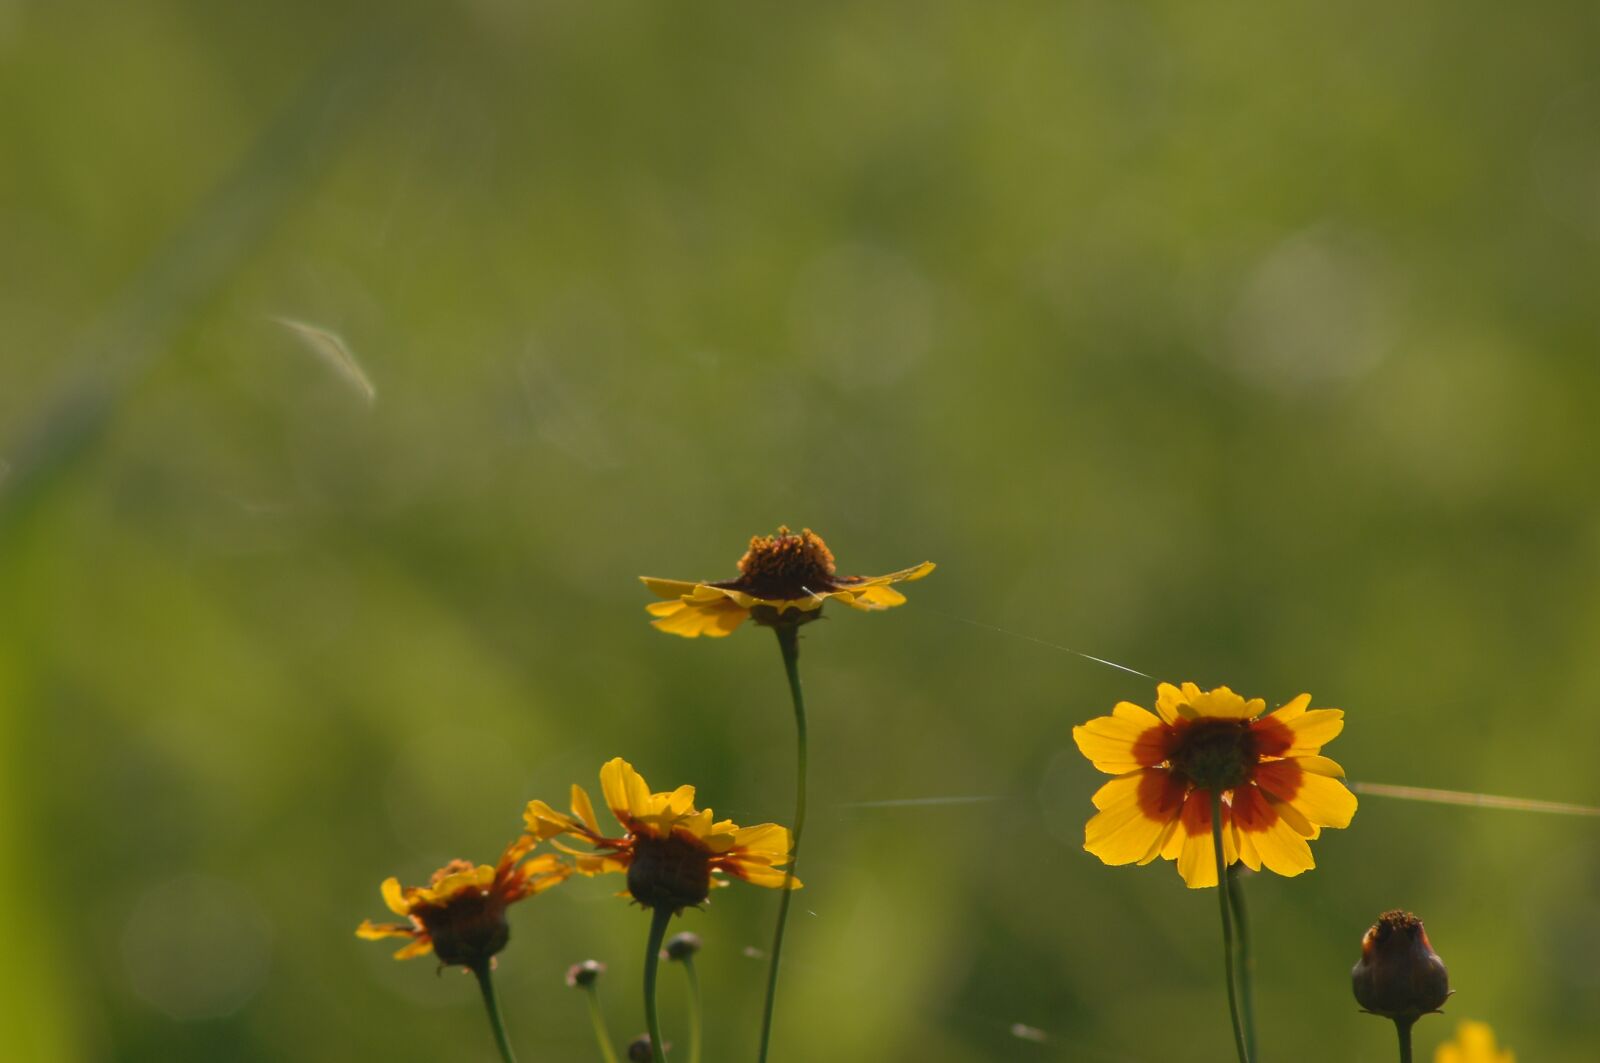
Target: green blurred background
{"x": 1246, "y": 345}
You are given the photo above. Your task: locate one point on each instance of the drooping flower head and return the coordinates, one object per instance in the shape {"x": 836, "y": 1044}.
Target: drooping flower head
{"x": 672, "y": 852}
{"x": 783, "y": 579}
{"x": 1277, "y": 792}
{"x": 1474, "y": 1043}
{"x": 461, "y": 913}
{"x": 1399, "y": 976}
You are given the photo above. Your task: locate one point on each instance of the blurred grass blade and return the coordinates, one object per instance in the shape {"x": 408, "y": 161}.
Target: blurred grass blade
{"x": 1473, "y": 800}
{"x": 334, "y": 353}
{"x": 194, "y": 262}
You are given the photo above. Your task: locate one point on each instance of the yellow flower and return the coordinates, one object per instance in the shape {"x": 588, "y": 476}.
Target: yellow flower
{"x": 461, "y": 913}
{"x": 779, "y": 575}
{"x": 1474, "y": 1043}
{"x": 671, "y": 851}
{"x": 1276, "y": 791}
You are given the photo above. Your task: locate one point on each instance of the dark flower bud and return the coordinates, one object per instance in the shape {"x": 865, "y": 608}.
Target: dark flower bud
{"x": 682, "y": 946}
{"x": 585, "y": 974}
{"x": 639, "y": 1049}
{"x": 1400, "y": 976}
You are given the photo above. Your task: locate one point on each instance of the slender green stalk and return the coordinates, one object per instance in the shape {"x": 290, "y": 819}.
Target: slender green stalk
{"x": 1402, "y": 1027}
{"x": 694, "y": 1008}
{"x": 1247, "y": 959}
{"x": 789, "y": 644}
{"x": 486, "y": 983}
{"x": 1227, "y": 925}
{"x": 659, "y": 918}
{"x": 602, "y": 1038}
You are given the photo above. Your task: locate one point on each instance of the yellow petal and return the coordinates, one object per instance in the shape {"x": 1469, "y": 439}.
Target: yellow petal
{"x": 583, "y": 808}
{"x": 544, "y": 822}
{"x": 626, "y": 792}
{"x": 714, "y": 619}
{"x": 1291, "y": 709}
{"x": 394, "y": 897}
{"x": 1197, "y": 863}
{"x": 873, "y": 598}
{"x": 1122, "y": 741}
{"x": 1321, "y": 766}
{"x": 1170, "y": 702}
{"x": 1283, "y": 850}
{"x": 1324, "y": 801}
{"x": 1125, "y": 830}
{"x": 420, "y": 947}
{"x": 679, "y": 802}
{"x": 1314, "y": 729}
{"x": 1223, "y": 703}
{"x": 370, "y": 931}
{"x": 905, "y": 575}
{"x": 763, "y": 838}
{"x": 761, "y": 875}
{"x": 668, "y": 588}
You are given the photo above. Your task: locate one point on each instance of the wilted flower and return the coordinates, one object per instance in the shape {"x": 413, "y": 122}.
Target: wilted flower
{"x": 461, "y": 914}
{"x": 783, "y": 579}
{"x": 1399, "y": 975}
{"x": 1276, "y": 791}
{"x": 671, "y": 851}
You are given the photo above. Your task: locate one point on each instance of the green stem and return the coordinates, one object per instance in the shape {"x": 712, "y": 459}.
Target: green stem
{"x": 1227, "y": 925}
{"x": 1402, "y": 1027}
{"x": 1247, "y": 960}
{"x": 486, "y": 983}
{"x": 789, "y": 644}
{"x": 659, "y": 918}
{"x": 694, "y": 1008}
{"x": 608, "y": 1052}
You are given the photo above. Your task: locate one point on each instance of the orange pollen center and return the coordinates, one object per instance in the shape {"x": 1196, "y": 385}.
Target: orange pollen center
{"x": 786, "y": 565}
{"x": 1215, "y": 754}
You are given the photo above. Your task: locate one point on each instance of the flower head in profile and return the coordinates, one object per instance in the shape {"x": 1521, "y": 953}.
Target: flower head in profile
{"x": 672, "y": 853}
{"x": 1277, "y": 791}
{"x": 461, "y": 913}
{"x": 1474, "y": 1043}
{"x": 783, "y": 579}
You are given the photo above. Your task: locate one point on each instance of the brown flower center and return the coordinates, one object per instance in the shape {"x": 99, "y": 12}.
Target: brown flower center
{"x": 1215, "y": 754}
{"x": 670, "y": 872}
{"x": 468, "y": 928}
{"x": 786, "y": 566}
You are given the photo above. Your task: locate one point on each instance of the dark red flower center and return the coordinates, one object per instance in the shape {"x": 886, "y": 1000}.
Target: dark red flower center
{"x": 1214, "y": 754}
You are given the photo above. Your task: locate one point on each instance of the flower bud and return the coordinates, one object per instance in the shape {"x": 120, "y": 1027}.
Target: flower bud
{"x": 639, "y": 1049}
{"x": 1400, "y": 976}
{"x": 682, "y": 946}
{"x": 585, "y": 974}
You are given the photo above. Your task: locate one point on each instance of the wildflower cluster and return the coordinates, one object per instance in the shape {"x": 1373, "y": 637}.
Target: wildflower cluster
{"x": 1210, "y": 780}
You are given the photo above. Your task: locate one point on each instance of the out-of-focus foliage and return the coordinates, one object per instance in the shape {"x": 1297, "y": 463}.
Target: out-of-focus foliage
{"x": 1244, "y": 346}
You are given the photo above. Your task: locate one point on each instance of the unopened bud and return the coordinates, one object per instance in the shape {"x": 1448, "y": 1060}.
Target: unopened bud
{"x": 639, "y": 1049}
{"x": 1400, "y": 976}
{"x": 584, "y": 974}
{"x": 682, "y": 946}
